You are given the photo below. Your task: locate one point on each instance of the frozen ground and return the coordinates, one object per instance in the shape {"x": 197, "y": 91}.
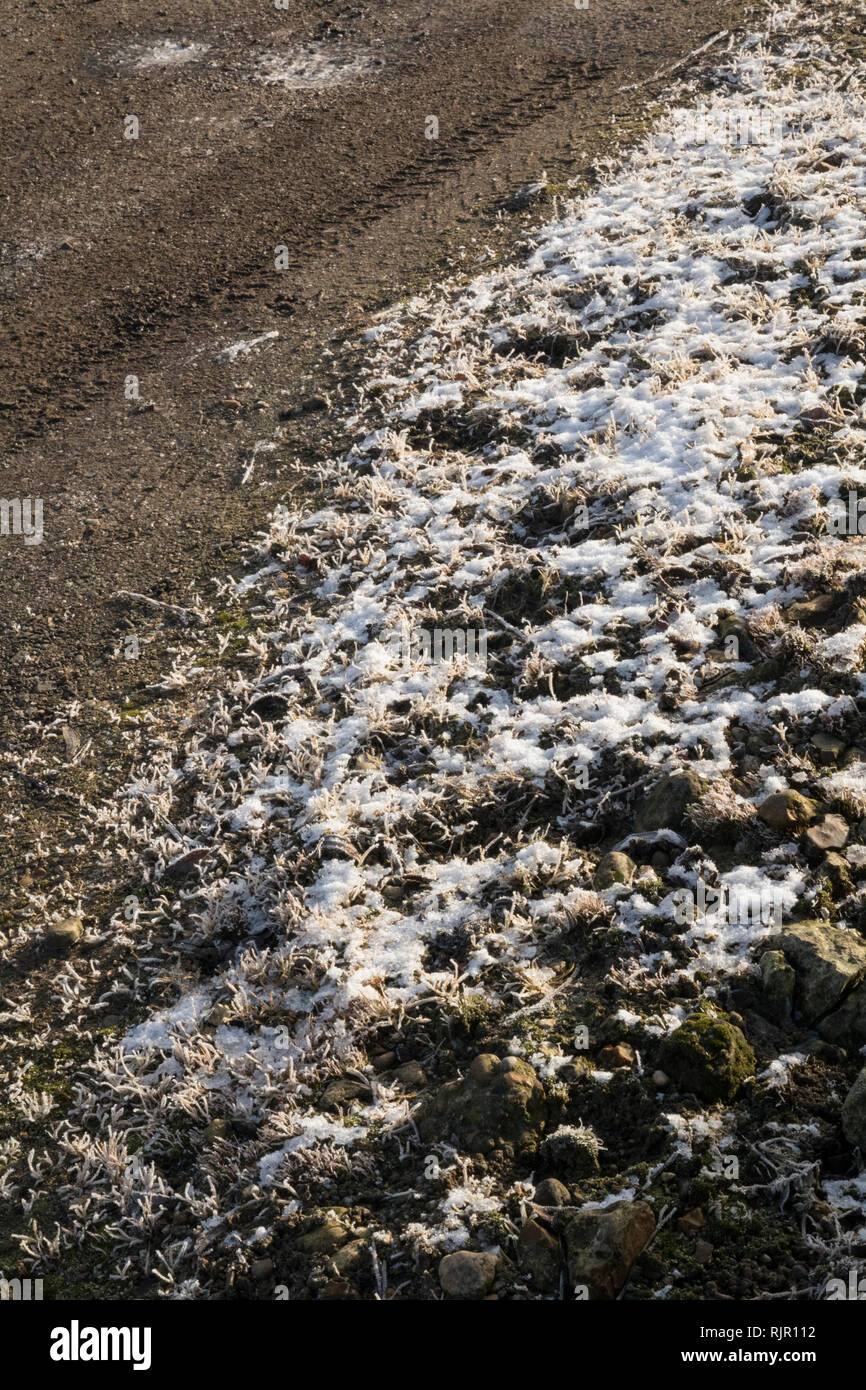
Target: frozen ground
{"x": 353, "y": 867}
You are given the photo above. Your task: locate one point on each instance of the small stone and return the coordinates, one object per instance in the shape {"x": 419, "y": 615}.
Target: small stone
{"x": 385, "y": 1061}
{"x": 324, "y": 1239}
{"x": 614, "y": 868}
{"x": 838, "y": 875}
{"x": 831, "y": 832}
{"x": 828, "y": 747}
{"x": 217, "y": 1129}
{"x": 484, "y": 1067}
{"x": 787, "y": 810}
{"x": 338, "y": 1289}
{"x": 539, "y": 1255}
{"x": 411, "y": 1075}
{"x": 612, "y": 1058}
{"x": 667, "y": 802}
{"x": 60, "y": 937}
{"x": 603, "y": 1245}
{"x": 691, "y": 1221}
{"x": 703, "y": 1252}
{"x": 262, "y": 1269}
{"x": 351, "y": 1256}
{"x": 552, "y": 1193}
{"x": 467, "y": 1274}
{"x": 811, "y": 611}
{"x": 219, "y": 1014}
{"x": 661, "y": 1079}
{"x": 342, "y": 1092}
{"x": 855, "y": 855}
{"x": 854, "y": 1113}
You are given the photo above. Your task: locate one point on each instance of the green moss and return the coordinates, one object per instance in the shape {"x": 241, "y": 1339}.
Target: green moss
{"x": 708, "y": 1055}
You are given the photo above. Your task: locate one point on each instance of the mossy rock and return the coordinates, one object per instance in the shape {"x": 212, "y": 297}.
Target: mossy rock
{"x": 708, "y": 1055}
{"x": 665, "y": 806}
{"x": 787, "y": 810}
{"x": 614, "y": 868}
{"x": 829, "y": 962}
{"x": 499, "y": 1105}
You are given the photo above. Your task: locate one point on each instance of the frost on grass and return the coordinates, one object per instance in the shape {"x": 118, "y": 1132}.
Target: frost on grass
{"x": 609, "y": 456}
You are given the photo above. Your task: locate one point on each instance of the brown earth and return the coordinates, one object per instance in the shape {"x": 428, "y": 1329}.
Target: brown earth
{"x": 148, "y": 257}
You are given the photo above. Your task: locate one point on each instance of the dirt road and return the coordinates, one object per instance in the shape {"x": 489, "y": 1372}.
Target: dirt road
{"x": 155, "y": 157}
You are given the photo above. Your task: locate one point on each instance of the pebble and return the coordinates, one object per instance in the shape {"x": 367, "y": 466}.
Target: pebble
{"x": 62, "y": 936}
{"x": 552, "y": 1193}
{"x": 613, "y": 1057}
{"x": 467, "y": 1274}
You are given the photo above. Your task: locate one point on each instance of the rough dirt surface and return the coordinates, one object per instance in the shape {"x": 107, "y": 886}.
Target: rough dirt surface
{"x": 302, "y": 128}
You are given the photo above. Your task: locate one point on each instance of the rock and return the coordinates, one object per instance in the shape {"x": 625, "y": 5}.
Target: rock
{"x": 350, "y": 1256}
{"x": 219, "y": 1014}
{"x": 270, "y": 707}
{"x": 499, "y": 1105}
{"x": 846, "y": 1026}
{"x": 661, "y": 1079}
{"x": 855, "y": 858}
{"x": 342, "y": 1092}
{"x": 217, "y": 1129}
{"x": 708, "y": 1055}
{"x": 603, "y": 1245}
{"x": 828, "y": 747}
{"x": 807, "y": 612}
{"x": 572, "y": 1151}
{"x": 339, "y": 1289}
{"x": 385, "y": 1061}
{"x": 703, "y": 1252}
{"x": 552, "y": 1193}
{"x": 262, "y": 1269}
{"x": 854, "y": 1113}
{"x": 835, "y": 869}
{"x": 612, "y": 1058}
{"x": 828, "y": 962}
{"x": 831, "y": 832}
{"x": 410, "y": 1075}
{"x": 614, "y": 868}
{"x": 60, "y": 937}
{"x": 467, "y": 1274}
{"x": 787, "y": 810}
{"x": 667, "y": 802}
{"x": 324, "y": 1239}
{"x": 779, "y": 980}
{"x": 691, "y": 1221}
{"x": 184, "y": 864}
{"x": 539, "y": 1255}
